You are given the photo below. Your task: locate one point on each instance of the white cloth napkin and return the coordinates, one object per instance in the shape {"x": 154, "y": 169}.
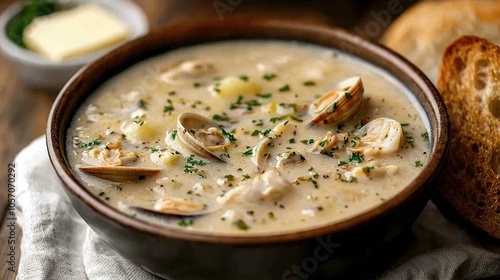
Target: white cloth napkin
{"x": 57, "y": 244}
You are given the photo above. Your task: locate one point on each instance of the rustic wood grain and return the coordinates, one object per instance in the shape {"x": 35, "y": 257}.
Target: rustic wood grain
{"x": 24, "y": 112}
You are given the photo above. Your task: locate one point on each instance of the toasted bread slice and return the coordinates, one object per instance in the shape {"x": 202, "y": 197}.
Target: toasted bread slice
{"x": 469, "y": 82}
{"x": 422, "y": 32}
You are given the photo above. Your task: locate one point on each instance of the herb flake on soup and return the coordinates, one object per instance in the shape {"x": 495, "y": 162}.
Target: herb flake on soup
{"x": 248, "y": 137}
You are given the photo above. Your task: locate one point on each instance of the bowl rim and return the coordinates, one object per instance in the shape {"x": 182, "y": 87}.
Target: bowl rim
{"x": 138, "y": 27}
{"x": 438, "y": 150}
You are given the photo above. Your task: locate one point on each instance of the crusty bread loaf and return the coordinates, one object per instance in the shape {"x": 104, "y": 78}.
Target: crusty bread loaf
{"x": 469, "y": 82}
{"x": 422, "y": 33}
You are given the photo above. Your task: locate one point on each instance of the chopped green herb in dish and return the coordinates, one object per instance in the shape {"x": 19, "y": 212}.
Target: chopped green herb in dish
{"x": 35, "y": 8}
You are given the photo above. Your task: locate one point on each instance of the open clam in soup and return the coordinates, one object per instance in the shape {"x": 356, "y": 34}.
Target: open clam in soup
{"x": 248, "y": 137}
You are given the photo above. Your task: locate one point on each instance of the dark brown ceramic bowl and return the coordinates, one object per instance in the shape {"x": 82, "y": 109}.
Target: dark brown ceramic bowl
{"x": 316, "y": 253}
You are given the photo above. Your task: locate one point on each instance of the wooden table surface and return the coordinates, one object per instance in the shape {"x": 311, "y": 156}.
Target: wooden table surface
{"x": 24, "y": 111}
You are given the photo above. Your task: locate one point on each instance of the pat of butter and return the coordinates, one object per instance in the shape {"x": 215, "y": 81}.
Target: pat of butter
{"x": 74, "y": 32}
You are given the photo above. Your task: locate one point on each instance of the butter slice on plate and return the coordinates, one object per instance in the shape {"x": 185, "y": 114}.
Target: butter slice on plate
{"x": 74, "y": 32}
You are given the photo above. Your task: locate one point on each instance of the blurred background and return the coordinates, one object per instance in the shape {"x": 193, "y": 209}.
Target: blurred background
{"x": 370, "y": 17}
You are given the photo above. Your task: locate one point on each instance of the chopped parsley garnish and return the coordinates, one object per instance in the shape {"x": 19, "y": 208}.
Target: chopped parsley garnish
{"x": 229, "y": 177}
{"x": 347, "y": 94}
{"x": 291, "y": 141}
{"x": 335, "y": 105}
{"x": 139, "y": 123}
{"x": 255, "y": 133}
{"x": 91, "y": 143}
{"x": 248, "y": 152}
{"x": 250, "y": 103}
{"x": 316, "y": 185}
{"x": 418, "y": 163}
{"x": 217, "y": 87}
{"x": 323, "y": 143}
{"x": 342, "y": 163}
{"x": 228, "y": 135}
{"x": 284, "y": 88}
{"x": 167, "y": 109}
{"x": 309, "y": 83}
{"x": 306, "y": 141}
{"x": 425, "y": 136}
{"x": 174, "y": 133}
{"x": 265, "y": 95}
{"x": 258, "y": 123}
{"x": 253, "y": 103}
{"x": 353, "y": 143}
{"x": 196, "y": 85}
{"x": 328, "y": 153}
{"x": 276, "y": 119}
{"x": 185, "y": 222}
{"x": 296, "y": 119}
{"x": 173, "y": 92}
{"x": 241, "y": 225}
{"x": 154, "y": 150}
{"x": 245, "y": 177}
{"x": 197, "y": 102}
{"x": 357, "y": 157}
{"x": 405, "y": 124}
{"x": 225, "y": 155}
{"x": 244, "y": 78}
{"x": 190, "y": 166}
{"x": 409, "y": 140}
{"x": 190, "y": 160}
{"x": 141, "y": 104}
{"x": 367, "y": 169}
{"x": 269, "y": 77}
{"x": 240, "y": 98}
{"x": 221, "y": 118}
{"x": 266, "y": 132}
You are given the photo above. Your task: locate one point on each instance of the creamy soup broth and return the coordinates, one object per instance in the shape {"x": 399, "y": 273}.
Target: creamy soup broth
{"x": 260, "y": 92}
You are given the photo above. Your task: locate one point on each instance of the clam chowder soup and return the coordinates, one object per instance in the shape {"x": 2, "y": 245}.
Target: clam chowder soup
{"x": 248, "y": 137}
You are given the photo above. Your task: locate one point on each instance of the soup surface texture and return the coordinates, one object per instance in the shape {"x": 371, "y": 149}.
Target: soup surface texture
{"x": 244, "y": 137}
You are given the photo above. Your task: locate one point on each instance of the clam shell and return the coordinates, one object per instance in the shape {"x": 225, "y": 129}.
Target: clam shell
{"x": 381, "y": 136}
{"x": 186, "y": 123}
{"x": 187, "y": 71}
{"x": 162, "y": 214}
{"x": 119, "y": 174}
{"x": 339, "y": 104}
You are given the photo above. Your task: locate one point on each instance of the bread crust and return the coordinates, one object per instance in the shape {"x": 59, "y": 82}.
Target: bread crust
{"x": 422, "y": 33}
{"x": 469, "y": 82}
